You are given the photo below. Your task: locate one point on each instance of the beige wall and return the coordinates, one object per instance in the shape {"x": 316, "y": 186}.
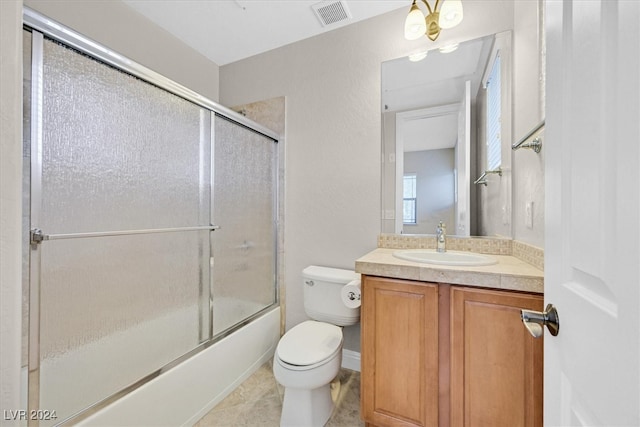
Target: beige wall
{"x": 528, "y": 94}
{"x": 117, "y": 26}
{"x": 495, "y": 200}
{"x": 332, "y": 85}
{"x": 10, "y": 202}
{"x": 527, "y": 167}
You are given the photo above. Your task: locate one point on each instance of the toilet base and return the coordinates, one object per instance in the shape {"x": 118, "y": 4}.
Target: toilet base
{"x": 306, "y": 408}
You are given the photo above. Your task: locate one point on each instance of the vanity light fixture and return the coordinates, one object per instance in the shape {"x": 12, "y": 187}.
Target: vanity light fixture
{"x": 448, "y": 16}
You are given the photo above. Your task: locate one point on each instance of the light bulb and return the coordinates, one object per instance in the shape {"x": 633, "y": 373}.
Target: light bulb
{"x": 449, "y": 48}
{"x": 415, "y": 57}
{"x": 451, "y": 13}
{"x": 414, "y": 25}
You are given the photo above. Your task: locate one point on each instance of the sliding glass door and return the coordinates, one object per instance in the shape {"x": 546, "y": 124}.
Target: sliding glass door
{"x": 120, "y": 209}
{"x": 152, "y": 227}
{"x": 244, "y": 252}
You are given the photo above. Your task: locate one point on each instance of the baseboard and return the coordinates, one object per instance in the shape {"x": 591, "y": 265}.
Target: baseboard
{"x": 351, "y": 360}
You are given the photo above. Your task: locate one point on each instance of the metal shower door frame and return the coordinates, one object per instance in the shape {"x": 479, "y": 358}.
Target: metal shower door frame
{"x": 40, "y": 27}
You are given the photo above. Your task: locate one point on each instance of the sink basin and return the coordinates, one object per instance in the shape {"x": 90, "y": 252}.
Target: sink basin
{"x": 430, "y": 256}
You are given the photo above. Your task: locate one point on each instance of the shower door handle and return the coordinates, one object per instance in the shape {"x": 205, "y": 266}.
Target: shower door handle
{"x": 38, "y": 236}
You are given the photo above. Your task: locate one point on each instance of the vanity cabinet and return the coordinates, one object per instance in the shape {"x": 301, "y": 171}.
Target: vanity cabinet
{"x": 496, "y": 365}
{"x": 399, "y": 321}
{"x": 442, "y": 355}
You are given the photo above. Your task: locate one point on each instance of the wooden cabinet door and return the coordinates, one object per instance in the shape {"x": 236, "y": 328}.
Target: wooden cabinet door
{"x": 496, "y": 365}
{"x": 400, "y": 364}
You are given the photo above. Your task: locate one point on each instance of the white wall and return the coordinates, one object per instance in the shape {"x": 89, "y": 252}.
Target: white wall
{"x": 332, "y": 85}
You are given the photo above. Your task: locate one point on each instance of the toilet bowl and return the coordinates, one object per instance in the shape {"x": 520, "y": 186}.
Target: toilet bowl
{"x": 308, "y": 357}
{"x": 306, "y": 373}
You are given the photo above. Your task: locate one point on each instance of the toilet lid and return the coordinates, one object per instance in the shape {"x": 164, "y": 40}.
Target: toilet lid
{"x": 309, "y": 342}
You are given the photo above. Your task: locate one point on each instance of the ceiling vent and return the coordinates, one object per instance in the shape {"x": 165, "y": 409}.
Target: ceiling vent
{"x": 331, "y": 12}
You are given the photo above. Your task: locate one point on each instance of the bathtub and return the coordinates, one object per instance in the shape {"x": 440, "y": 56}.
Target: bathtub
{"x": 185, "y": 393}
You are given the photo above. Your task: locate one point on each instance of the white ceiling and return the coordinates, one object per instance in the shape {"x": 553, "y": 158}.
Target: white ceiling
{"x": 226, "y": 31}
{"x": 431, "y": 133}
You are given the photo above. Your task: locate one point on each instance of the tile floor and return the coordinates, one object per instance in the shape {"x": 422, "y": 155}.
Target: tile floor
{"x": 258, "y": 401}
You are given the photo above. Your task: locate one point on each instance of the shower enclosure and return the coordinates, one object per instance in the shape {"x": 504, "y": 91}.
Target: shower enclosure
{"x": 152, "y": 223}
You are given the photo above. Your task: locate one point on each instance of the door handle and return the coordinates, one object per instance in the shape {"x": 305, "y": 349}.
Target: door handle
{"x": 535, "y": 320}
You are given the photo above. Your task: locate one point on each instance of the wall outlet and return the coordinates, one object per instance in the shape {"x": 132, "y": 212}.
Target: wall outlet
{"x": 528, "y": 215}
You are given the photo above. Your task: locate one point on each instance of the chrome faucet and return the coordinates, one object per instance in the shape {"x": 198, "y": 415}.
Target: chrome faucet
{"x": 441, "y": 237}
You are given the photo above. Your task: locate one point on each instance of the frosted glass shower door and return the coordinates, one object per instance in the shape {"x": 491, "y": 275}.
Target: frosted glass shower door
{"x": 244, "y": 203}
{"x": 121, "y": 175}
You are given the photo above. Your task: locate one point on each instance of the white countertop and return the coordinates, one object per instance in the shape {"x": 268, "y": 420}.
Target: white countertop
{"x": 509, "y": 273}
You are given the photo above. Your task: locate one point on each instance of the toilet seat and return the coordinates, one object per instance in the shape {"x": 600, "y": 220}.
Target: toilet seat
{"x": 309, "y": 344}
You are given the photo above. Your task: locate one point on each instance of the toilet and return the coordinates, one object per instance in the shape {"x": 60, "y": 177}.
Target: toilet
{"x": 308, "y": 357}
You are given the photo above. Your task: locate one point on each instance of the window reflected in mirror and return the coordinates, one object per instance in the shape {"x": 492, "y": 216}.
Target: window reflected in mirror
{"x": 494, "y": 109}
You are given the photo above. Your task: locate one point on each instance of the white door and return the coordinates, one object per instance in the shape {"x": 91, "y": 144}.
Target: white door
{"x": 463, "y": 165}
{"x": 592, "y": 255}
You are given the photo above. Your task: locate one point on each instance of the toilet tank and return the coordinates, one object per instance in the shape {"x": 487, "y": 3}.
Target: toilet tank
{"x": 322, "y": 298}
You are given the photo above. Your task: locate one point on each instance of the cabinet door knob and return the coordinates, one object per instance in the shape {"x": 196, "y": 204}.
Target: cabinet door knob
{"x": 535, "y": 320}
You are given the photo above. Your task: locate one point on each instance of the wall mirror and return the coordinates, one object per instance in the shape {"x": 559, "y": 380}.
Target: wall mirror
{"x": 434, "y": 138}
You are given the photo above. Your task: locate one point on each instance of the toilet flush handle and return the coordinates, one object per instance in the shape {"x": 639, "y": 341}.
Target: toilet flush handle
{"x": 353, "y": 296}
{"x": 309, "y": 282}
